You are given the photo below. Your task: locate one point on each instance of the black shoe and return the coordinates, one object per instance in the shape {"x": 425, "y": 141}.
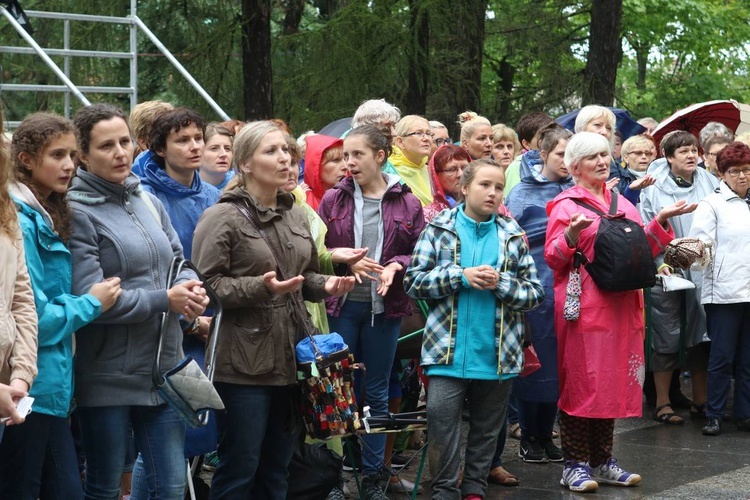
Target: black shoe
{"x": 680, "y": 401}
{"x": 712, "y": 427}
{"x": 352, "y": 461}
{"x": 531, "y": 451}
{"x": 371, "y": 489}
{"x": 552, "y": 452}
{"x": 398, "y": 461}
{"x": 744, "y": 425}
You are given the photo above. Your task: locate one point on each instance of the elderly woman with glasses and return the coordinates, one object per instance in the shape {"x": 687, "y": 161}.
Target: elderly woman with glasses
{"x": 440, "y": 136}
{"x": 637, "y": 154}
{"x": 678, "y": 322}
{"x": 445, "y": 168}
{"x": 411, "y": 147}
{"x": 723, "y": 220}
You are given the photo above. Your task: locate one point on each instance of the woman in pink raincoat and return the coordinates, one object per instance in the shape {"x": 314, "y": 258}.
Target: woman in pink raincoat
{"x": 600, "y": 355}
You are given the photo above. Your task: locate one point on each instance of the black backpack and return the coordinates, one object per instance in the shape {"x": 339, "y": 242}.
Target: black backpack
{"x": 622, "y": 255}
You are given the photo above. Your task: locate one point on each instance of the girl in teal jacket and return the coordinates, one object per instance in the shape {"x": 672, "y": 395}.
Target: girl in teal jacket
{"x": 474, "y": 267}
{"x": 37, "y": 459}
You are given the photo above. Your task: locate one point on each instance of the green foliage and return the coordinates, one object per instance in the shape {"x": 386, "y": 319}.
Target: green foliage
{"x": 346, "y": 51}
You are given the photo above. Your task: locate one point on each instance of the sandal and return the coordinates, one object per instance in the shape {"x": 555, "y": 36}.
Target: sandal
{"x": 514, "y": 431}
{"x": 698, "y": 411}
{"x": 500, "y": 476}
{"x": 668, "y": 417}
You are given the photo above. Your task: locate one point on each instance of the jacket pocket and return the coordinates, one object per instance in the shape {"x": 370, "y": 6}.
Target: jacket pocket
{"x": 253, "y": 344}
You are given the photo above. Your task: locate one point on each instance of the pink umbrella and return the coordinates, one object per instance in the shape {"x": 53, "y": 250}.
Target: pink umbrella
{"x": 734, "y": 115}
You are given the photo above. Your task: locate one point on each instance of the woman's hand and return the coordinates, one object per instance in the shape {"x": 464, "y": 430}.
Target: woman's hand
{"x": 188, "y": 298}
{"x": 682, "y": 207}
{"x": 482, "y": 277}
{"x": 277, "y": 287}
{"x": 9, "y": 396}
{"x": 644, "y": 182}
{"x": 347, "y": 255}
{"x": 664, "y": 270}
{"x": 106, "y": 292}
{"x": 336, "y": 286}
{"x": 386, "y": 277}
{"x": 612, "y": 183}
{"x": 578, "y": 222}
{"x": 364, "y": 267}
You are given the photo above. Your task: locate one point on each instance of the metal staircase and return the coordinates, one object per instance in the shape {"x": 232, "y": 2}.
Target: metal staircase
{"x": 67, "y": 86}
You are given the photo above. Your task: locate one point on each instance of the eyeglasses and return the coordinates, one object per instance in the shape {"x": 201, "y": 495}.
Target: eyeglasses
{"x": 641, "y": 153}
{"x": 439, "y": 142}
{"x": 735, "y": 172}
{"x": 450, "y": 171}
{"x": 712, "y": 155}
{"x": 421, "y": 133}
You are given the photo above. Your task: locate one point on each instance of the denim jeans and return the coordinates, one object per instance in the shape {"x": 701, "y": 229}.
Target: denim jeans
{"x": 372, "y": 340}
{"x": 729, "y": 330}
{"x": 38, "y": 460}
{"x": 258, "y": 434}
{"x": 160, "y": 438}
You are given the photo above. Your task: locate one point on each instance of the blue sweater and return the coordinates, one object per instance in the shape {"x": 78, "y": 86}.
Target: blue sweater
{"x": 474, "y": 356}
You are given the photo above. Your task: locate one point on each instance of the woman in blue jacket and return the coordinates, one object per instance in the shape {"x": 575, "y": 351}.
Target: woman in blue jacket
{"x": 537, "y": 394}
{"x": 37, "y": 459}
{"x": 475, "y": 268}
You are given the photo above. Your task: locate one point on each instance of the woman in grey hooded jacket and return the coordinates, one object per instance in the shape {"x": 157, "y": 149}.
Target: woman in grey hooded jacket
{"x": 119, "y": 230}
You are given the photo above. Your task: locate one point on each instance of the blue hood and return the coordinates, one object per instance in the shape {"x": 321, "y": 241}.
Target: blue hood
{"x": 531, "y": 167}
{"x": 139, "y": 164}
{"x": 184, "y": 204}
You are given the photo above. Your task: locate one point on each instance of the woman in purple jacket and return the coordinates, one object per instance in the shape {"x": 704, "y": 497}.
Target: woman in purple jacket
{"x": 371, "y": 209}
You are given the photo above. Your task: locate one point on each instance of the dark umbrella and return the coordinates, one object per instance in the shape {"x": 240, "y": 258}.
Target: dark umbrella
{"x": 692, "y": 119}
{"x": 337, "y": 128}
{"x": 627, "y": 126}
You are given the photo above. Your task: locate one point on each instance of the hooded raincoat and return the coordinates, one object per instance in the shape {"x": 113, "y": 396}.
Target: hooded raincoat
{"x": 600, "y": 356}
{"x": 183, "y": 204}
{"x": 414, "y": 175}
{"x": 527, "y": 203}
{"x": 317, "y": 145}
{"x": 676, "y": 314}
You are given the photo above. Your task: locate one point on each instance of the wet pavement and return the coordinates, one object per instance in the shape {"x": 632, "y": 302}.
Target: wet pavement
{"x": 675, "y": 462}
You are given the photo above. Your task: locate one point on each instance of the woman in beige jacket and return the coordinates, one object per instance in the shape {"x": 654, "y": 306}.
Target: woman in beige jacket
{"x": 18, "y": 324}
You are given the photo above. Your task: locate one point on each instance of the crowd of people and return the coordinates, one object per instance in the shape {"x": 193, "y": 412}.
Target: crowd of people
{"x": 498, "y": 236}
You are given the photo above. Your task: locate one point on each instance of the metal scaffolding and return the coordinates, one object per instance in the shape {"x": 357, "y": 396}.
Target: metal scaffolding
{"x": 78, "y": 91}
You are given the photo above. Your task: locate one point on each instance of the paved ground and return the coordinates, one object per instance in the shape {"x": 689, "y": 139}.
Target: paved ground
{"x": 676, "y": 462}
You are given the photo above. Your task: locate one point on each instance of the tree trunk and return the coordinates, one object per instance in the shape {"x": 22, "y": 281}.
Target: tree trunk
{"x": 459, "y": 48}
{"x": 605, "y": 49}
{"x": 293, "y": 16}
{"x": 256, "y": 59}
{"x": 641, "y": 57}
{"x": 506, "y": 72}
{"x": 419, "y": 59}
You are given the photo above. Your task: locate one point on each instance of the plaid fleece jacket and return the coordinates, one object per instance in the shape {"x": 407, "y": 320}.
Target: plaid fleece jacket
{"x": 434, "y": 275}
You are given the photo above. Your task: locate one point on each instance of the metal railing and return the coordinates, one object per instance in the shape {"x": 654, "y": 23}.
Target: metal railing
{"x": 78, "y": 91}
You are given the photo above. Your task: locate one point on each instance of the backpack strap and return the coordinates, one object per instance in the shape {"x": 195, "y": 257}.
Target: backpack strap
{"x": 612, "y": 206}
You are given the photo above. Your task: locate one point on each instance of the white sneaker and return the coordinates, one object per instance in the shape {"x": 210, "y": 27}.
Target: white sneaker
{"x": 577, "y": 477}
{"x": 611, "y": 473}
{"x": 402, "y": 486}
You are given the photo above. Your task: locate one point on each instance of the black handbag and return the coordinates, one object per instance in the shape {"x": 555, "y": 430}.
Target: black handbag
{"x": 185, "y": 387}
